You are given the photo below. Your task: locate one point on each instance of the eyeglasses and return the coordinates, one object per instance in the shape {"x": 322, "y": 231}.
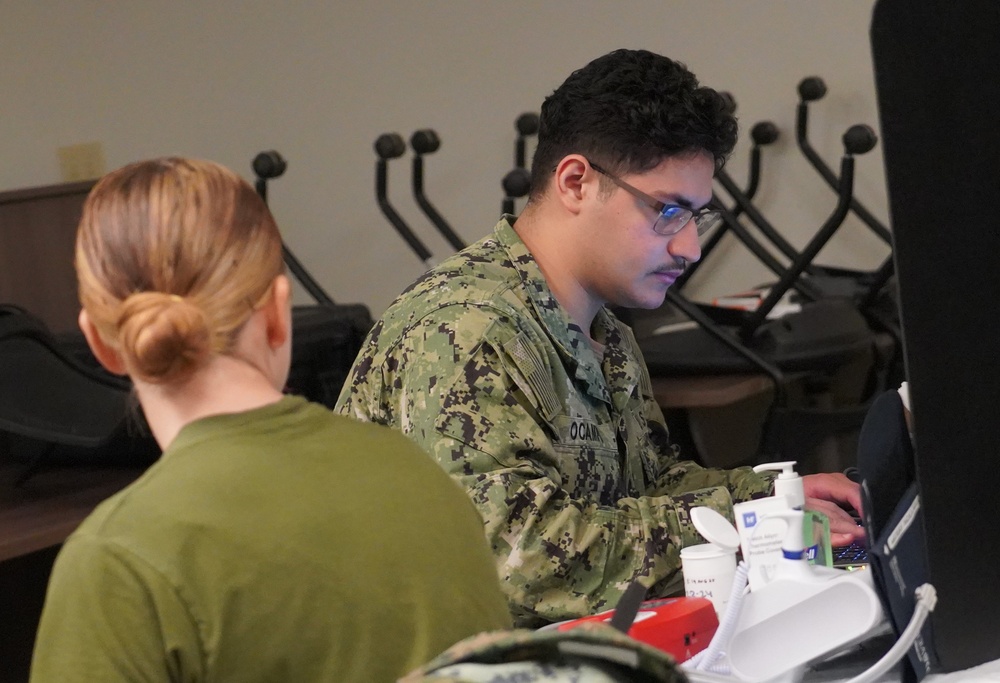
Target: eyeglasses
{"x": 672, "y": 217}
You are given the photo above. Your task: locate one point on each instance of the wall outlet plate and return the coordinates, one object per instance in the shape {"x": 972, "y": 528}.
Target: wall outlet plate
{"x": 84, "y": 161}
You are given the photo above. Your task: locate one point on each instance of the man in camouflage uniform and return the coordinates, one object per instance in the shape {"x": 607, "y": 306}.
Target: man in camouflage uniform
{"x": 505, "y": 365}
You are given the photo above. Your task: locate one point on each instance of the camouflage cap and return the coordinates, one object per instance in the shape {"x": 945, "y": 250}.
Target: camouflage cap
{"x": 588, "y": 653}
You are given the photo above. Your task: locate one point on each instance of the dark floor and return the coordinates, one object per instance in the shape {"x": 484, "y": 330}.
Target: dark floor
{"x": 22, "y": 592}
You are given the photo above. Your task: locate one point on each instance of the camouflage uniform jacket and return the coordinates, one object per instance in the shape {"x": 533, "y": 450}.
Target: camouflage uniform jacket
{"x": 565, "y": 454}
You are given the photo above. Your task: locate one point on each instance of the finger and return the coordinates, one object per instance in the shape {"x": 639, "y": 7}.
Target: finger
{"x": 834, "y": 487}
{"x": 841, "y": 535}
{"x": 846, "y": 491}
{"x": 843, "y": 529}
{"x": 854, "y": 498}
{"x": 840, "y": 540}
{"x": 840, "y": 520}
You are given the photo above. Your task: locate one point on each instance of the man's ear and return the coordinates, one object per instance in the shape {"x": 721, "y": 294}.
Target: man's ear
{"x": 278, "y": 312}
{"x": 570, "y": 182}
{"x": 105, "y": 354}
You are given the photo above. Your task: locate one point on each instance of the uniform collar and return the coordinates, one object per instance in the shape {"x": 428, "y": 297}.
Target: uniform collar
{"x": 569, "y": 339}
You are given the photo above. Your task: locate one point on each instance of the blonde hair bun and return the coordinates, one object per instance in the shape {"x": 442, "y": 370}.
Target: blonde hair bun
{"x": 162, "y": 337}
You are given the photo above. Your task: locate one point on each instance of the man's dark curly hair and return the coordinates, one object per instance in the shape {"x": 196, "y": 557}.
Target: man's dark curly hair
{"x": 628, "y": 111}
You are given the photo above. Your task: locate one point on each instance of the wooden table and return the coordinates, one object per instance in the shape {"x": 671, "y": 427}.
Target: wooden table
{"x": 45, "y": 509}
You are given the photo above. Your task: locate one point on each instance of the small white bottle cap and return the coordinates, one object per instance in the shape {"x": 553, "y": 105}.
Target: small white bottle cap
{"x": 715, "y": 528}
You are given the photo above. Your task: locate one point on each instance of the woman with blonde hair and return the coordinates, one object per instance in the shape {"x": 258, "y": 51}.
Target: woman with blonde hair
{"x": 272, "y": 541}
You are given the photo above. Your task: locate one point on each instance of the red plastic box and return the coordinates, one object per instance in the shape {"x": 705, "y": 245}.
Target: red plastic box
{"x": 682, "y": 627}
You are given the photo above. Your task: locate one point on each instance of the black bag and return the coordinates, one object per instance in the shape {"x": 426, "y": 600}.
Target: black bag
{"x": 56, "y": 409}
{"x": 894, "y": 525}
{"x": 326, "y": 338}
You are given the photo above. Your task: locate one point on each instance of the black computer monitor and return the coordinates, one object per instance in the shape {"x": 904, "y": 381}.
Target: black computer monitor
{"x": 937, "y": 72}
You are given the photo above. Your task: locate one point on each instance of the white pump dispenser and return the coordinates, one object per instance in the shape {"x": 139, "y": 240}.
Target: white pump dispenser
{"x": 788, "y": 483}
{"x": 761, "y": 531}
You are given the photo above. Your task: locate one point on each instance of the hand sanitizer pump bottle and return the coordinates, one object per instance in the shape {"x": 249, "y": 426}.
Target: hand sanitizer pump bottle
{"x": 793, "y": 564}
{"x": 788, "y": 482}
{"x": 762, "y": 531}
{"x": 816, "y": 525}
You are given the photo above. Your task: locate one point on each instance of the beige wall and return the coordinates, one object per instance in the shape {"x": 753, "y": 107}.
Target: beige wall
{"x": 319, "y": 81}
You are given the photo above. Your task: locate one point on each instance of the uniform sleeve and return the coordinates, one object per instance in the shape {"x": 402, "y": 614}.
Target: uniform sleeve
{"x": 456, "y": 394}
{"x": 109, "y": 617}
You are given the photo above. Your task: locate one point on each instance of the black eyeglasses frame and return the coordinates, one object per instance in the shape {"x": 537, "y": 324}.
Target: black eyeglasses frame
{"x": 704, "y": 219}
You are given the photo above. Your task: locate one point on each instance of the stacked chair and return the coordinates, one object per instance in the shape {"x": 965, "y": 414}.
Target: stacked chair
{"x": 326, "y": 335}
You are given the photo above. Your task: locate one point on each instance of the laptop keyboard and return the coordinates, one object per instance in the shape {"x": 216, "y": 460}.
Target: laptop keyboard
{"x": 850, "y": 555}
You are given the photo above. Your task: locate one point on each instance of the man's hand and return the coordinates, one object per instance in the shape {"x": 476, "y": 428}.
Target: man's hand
{"x": 828, "y": 493}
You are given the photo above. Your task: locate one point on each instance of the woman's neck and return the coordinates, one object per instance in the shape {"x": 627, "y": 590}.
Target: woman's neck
{"x": 225, "y": 384}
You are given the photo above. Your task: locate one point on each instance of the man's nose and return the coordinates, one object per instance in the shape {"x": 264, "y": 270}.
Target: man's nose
{"x": 684, "y": 244}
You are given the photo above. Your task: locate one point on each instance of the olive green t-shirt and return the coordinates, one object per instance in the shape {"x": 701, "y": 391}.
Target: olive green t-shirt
{"x": 280, "y": 544}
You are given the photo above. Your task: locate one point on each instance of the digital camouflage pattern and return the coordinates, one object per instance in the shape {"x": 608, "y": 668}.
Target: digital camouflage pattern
{"x": 566, "y": 454}
{"x": 589, "y": 653}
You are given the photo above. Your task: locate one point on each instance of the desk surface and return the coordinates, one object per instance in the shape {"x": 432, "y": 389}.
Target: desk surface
{"x": 45, "y": 509}
{"x": 708, "y": 391}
